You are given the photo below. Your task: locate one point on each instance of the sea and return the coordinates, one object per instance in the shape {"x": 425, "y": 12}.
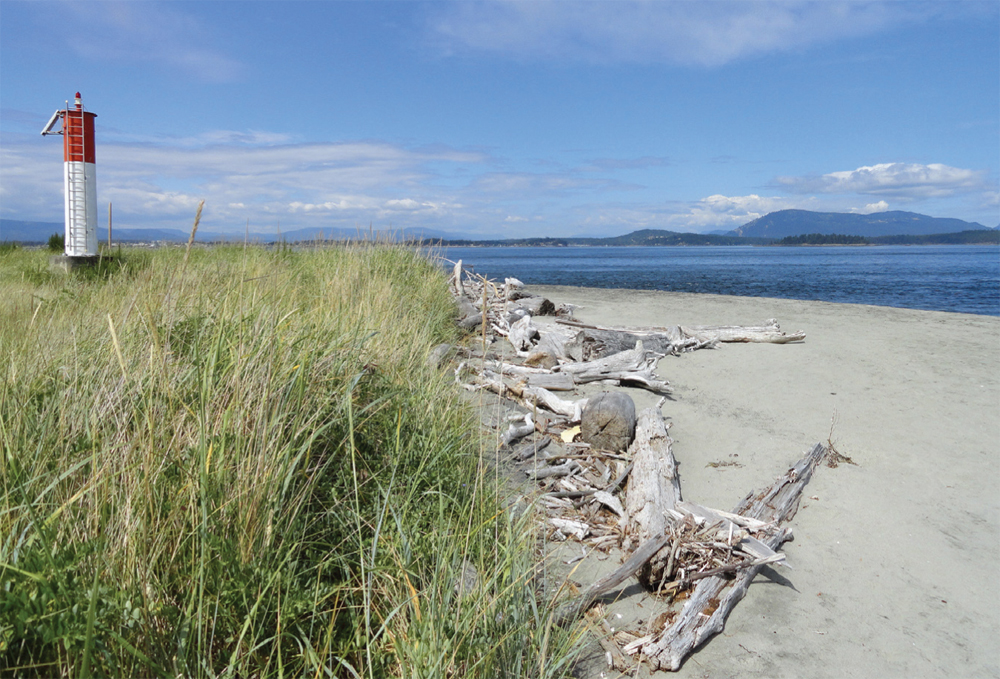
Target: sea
{"x": 955, "y": 278}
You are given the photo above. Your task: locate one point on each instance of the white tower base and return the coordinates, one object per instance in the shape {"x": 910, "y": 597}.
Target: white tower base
{"x": 80, "y": 185}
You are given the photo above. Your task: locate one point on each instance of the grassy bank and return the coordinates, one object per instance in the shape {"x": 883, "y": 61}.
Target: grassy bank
{"x": 237, "y": 463}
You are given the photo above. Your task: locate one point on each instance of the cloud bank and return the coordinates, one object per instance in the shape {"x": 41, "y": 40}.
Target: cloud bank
{"x": 901, "y": 181}
{"x": 263, "y": 177}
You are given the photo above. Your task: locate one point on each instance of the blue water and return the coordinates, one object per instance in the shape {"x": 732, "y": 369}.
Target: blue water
{"x": 961, "y": 278}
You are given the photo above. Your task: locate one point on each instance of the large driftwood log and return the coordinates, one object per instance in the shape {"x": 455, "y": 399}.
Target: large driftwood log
{"x": 633, "y": 367}
{"x": 563, "y": 345}
{"x": 654, "y": 488}
{"x": 769, "y": 331}
{"x": 600, "y": 341}
{"x": 700, "y": 619}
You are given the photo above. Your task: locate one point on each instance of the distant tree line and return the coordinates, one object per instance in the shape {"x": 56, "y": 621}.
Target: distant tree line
{"x": 823, "y": 239}
{"x": 973, "y": 237}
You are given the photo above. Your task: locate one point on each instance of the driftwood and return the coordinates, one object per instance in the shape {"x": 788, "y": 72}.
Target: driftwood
{"x": 528, "y": 450}
{"x": 608, "y": 421}
{"x": 552, "y": 381}
{"x": 572, "y": 610}
{"x": 700, "y": 618}
{"x": 567, "y": 468}
{"x": 601, "y": 341}
{"x": 769, "y": 332}
{"x": 522, "y": 334}
{"x": 584, "y": 493}
{"x": 653, "y": 490}
{"x": 562, "y": 345}
{"x": 633, "y": 367}
{"x": 518, "y": 430}
{"x": 537, "y": 306}
{"x": 683, "y": 545}
{"x": 533, "y": 396}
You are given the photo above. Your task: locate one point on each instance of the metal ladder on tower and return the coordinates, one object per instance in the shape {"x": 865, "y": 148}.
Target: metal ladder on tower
{"x": 76, "y": 198}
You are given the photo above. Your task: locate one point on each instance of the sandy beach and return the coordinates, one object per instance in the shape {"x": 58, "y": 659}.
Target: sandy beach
{"x": 896, "y": 560}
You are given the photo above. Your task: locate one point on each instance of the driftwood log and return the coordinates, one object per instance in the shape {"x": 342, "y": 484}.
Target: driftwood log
{"x": 654, "y": 488}
{"x": 600, "y": 341}
{"x": 633, "y": 367}
{"x": 701, "y": 618}
{"x": 532, "y": 396}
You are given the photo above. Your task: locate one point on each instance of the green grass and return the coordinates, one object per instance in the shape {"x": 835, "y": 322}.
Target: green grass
{"x": 238, "y": 464}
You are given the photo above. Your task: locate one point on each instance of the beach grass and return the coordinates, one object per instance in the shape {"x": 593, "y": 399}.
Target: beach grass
{"x": 235, "y": 461}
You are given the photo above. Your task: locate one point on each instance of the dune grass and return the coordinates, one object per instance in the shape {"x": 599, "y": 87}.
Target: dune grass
{"x": 235, "y": 462}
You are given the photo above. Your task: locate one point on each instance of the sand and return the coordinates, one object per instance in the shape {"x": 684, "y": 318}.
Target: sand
{"x": 896, "y": 561}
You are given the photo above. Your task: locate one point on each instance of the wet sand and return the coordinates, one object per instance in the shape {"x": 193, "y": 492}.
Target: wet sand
{"x": 896, "y": 560}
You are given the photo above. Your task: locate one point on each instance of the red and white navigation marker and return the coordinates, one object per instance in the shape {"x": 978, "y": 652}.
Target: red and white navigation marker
{"x": 79, "y": 178}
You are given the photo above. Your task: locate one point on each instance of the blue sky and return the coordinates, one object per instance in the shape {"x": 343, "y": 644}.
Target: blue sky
{"x": 506, "y": 119}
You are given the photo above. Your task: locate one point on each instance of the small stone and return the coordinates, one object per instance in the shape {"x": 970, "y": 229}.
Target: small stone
{"x": 468, "y": 580}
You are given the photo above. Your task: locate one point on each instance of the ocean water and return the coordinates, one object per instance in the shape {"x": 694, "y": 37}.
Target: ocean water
{"x": 957, "y": 278}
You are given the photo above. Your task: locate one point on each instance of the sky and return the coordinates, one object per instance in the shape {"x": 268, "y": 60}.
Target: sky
{"x": 505, "y": 119}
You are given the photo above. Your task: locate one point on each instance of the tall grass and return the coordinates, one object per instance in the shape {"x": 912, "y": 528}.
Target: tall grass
{"x": 239, "y": 465}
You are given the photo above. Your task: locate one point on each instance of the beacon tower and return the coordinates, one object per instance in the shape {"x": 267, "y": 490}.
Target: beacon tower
{"x": 79, "y": 177}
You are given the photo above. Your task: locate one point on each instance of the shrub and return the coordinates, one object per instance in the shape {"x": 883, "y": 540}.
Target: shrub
{"x": 57, "y": 242}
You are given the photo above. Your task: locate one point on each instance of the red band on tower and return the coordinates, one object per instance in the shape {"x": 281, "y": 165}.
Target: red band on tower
{"x": 78, "y": 136}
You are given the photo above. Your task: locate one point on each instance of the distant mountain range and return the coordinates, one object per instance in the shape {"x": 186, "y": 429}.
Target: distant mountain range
{"x": 39, "y": 232}
{"x": 766, "y": 229}
{"x": 799, "y": 222}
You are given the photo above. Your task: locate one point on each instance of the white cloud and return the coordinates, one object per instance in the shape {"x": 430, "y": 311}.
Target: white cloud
{"x": 902, "y": 181}
{"x": 653, "y": 31}
{"x": 880, "y": 206}
{"x": 158, "y": 184}
{"x": 719, "y": 212}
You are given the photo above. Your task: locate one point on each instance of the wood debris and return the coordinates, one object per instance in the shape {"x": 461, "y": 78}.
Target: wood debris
{"x": 679, "y": 550}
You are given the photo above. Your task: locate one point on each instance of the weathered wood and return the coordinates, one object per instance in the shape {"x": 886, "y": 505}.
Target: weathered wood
{"x": 634, "y": 367}
{"x": 769, "y": 332}
{"x": 530, "y": 449}
{"x": 567, "y": 468}
{"x": 608, "y": 421}
{"x": 457, "y": 279}
{"x": 564, "y": 346}
{"x": 653, "y": 489}
{"x": 519, "y": 430}
{"x": 552, "y": 381}
{"x": 599, "y": 342}
{"x": 572, "y": 610}
{"x": 778, "y": 503}
{"x": 522, "y": 334}
{"x": 610, "y": 488}
{"x": 537, "y": 306}
{"x": 533, "y": 396}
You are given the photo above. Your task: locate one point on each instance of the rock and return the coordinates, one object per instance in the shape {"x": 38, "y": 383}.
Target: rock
{"x": 439, "y": 354}
{"x": 467, "y": 581}
{"x": 465, "y": 307}
{"x": 608, "y": 421}
{"x": 541, "y": 359}
{"x": 471, "y": 322}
